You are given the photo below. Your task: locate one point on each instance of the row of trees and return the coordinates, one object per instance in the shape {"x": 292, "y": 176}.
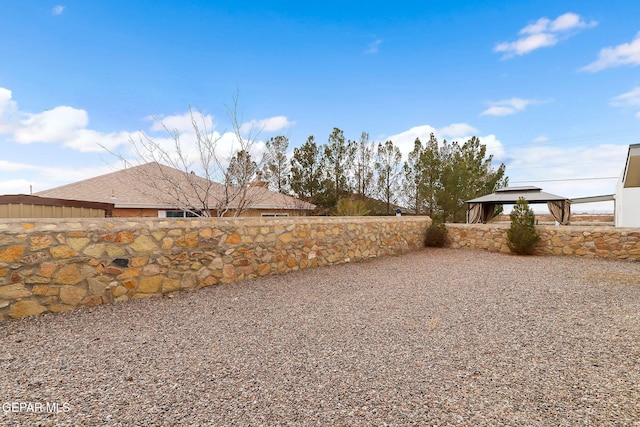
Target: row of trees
{"x": 339, "y": 176}
{"x": 436, "y": 179}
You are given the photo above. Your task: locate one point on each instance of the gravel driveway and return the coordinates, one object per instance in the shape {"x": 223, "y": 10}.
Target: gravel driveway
{"x": 436, "y": 337}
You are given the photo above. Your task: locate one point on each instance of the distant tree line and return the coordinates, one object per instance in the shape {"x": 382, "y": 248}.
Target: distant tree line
{"x": 368, "y": 177}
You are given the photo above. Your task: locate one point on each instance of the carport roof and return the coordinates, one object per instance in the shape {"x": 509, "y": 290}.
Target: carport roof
{"x": 510, "y": 195}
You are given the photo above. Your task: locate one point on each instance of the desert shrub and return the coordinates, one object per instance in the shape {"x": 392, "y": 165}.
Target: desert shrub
{"x": 350, "y": 207}
{"x": 522, "y": 236}
{"x": 435, "y": 234}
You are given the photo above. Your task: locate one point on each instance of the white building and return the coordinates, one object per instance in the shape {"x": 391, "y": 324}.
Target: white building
{"x": 627, "y": 197}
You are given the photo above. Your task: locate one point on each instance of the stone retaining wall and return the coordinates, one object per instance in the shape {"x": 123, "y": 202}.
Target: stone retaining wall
{"x": 584, "y": 241}
{"x": 59, "y": 265}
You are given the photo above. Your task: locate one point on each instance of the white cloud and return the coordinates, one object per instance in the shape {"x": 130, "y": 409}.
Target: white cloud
{"x": 456, "y": 130}
{"x": 272, "y": 124}
{"x": 7, "y": 105}
{"x": 68, "y": 127}
{"x": 14, "y": 186}
{"x": 37, "y": 178}
{"x": 539, "y": 164}
{"x": 463, "y": 132}
{"x": 622, "y": 54}
{"x": 87, "y": 140}
{"x": 163, "y": 129}
{"x": 569, "y": 21}
{"x": 55, "y": 125}
{"x": 628, "y": 99}
{"x": 494, "y": 146}
{"x": 460, "y": 132}
{"x": 226, "y": 142}
{"x": 228, "y": 145}
{"x": 631, "y": 98}
{"x": 182, "y": 123}
{"x": 57, "y": 10}
{"x": 507, "y": 107}
{"x": 527, "y": 44}
{"x": 497, "y": 110}
{"x": 8, "y": 109}
{"x": 544, "y": 33}
{"x": 540, "y": 26}
{"x": 540, "y": 139}
{"x": 6, "y": 166}
{"x": 373, "y": 46}
{"x": 405, "y": 140}
{"x": 63, "y": 125}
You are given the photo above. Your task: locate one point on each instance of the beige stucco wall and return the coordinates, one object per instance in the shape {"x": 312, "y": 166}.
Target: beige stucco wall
{"x": 259, "y": 212}
{"x": 153, "y": 213}
{"x": 584, "y": 241}
{"x": 135, "y": 213}
{"x": 59, "y": 265}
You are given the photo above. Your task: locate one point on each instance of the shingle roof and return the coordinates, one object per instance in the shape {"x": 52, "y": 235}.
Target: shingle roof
{"x": 157, "y": 186}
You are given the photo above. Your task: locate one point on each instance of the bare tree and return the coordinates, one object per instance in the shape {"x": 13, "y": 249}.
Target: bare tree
{"x": 222, "y": 182}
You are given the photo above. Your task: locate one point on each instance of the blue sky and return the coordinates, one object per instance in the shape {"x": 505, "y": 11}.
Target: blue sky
{"x": 552, "y": 88}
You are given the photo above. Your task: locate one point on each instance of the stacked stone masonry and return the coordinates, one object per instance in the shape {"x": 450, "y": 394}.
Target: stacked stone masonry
{"x": 583, "y": 241}
{"x": 59, "y": 265}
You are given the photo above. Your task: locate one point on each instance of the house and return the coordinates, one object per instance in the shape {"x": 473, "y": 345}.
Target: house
{"x": 627, "y": 195}
{"x": 156, "y": 190}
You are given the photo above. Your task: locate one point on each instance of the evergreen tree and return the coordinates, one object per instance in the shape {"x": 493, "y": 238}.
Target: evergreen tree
{"x": 413, "y": 179}
{"x": 522, "y": 236}
{"x": 438, "y": 178}
{"x": 388, "y": 171}
{"x": 242, "y": 169}
{"x": 363, "y": 170}
{"x": 467, "y": 174}
{"x": 276, "y": 168}
{"x": 431, "y": 169}
{"x": 307, "y": 171}
{"x": 338, "y": 157}
{"x": 451, "y": 180}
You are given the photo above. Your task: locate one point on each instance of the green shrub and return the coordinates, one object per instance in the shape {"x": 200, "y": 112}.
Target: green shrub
{"x": 435, "y": 234}
{"x": 522, "y": 236}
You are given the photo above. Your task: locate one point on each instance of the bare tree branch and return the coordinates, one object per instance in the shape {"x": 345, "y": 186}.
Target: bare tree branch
{"x": 224, "y": 185}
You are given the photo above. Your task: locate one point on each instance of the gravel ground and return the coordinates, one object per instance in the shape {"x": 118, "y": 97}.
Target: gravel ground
{"x": 437, "y": 337}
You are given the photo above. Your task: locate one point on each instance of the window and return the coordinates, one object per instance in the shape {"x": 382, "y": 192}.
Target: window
{"x": 273, "y": 214}
{"x": 176, "y": 214}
